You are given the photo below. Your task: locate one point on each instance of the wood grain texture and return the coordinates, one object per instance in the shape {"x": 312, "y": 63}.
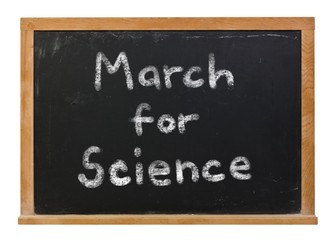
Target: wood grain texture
{"x": 169, "y": 219}
{"x": 28, "y": 25}
{"x": 308, "y": 122}
{"x": 167, "y": 23}
{"x": 27, "y": 140}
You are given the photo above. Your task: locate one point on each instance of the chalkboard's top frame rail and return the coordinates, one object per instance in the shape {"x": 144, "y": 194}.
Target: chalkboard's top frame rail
{"x": 229, "y": 23}
{"x": 169, "y": 219}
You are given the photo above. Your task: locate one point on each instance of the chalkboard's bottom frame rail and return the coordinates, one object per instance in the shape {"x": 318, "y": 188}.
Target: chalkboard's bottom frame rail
{"x": 169, "y": 219}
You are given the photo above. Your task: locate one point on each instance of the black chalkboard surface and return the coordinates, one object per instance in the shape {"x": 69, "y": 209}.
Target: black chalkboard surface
{"x": 167, "y": 122}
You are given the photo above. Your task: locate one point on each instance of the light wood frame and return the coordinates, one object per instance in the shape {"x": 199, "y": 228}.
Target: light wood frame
{"x": 29, "y": 25}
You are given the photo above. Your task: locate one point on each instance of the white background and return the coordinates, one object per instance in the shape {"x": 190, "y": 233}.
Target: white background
{"x": 10, "y": 13}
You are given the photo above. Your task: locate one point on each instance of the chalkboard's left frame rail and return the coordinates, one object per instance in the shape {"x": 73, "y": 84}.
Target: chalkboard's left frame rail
{"x": 27, "y": 121}
{"x": 29, "y": 25}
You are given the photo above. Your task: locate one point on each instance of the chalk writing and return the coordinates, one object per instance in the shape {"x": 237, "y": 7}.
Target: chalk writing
{"x": 158, "y": 171}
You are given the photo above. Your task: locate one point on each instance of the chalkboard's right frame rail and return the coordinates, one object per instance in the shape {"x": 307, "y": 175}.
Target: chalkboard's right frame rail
{"x": 304, "y": 24}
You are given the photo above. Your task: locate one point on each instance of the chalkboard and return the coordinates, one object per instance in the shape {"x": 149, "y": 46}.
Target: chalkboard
{"x": 167, "y": 122}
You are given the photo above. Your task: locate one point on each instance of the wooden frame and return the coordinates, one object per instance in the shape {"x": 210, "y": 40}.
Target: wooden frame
{"x": 29, "y": 25}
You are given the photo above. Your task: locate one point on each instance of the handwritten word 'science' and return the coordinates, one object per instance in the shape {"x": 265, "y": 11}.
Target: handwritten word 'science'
{"x": 159, "y": 170}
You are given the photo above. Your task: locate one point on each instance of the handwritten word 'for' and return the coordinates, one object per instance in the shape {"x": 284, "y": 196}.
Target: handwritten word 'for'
{"x": 166, "y": 122}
